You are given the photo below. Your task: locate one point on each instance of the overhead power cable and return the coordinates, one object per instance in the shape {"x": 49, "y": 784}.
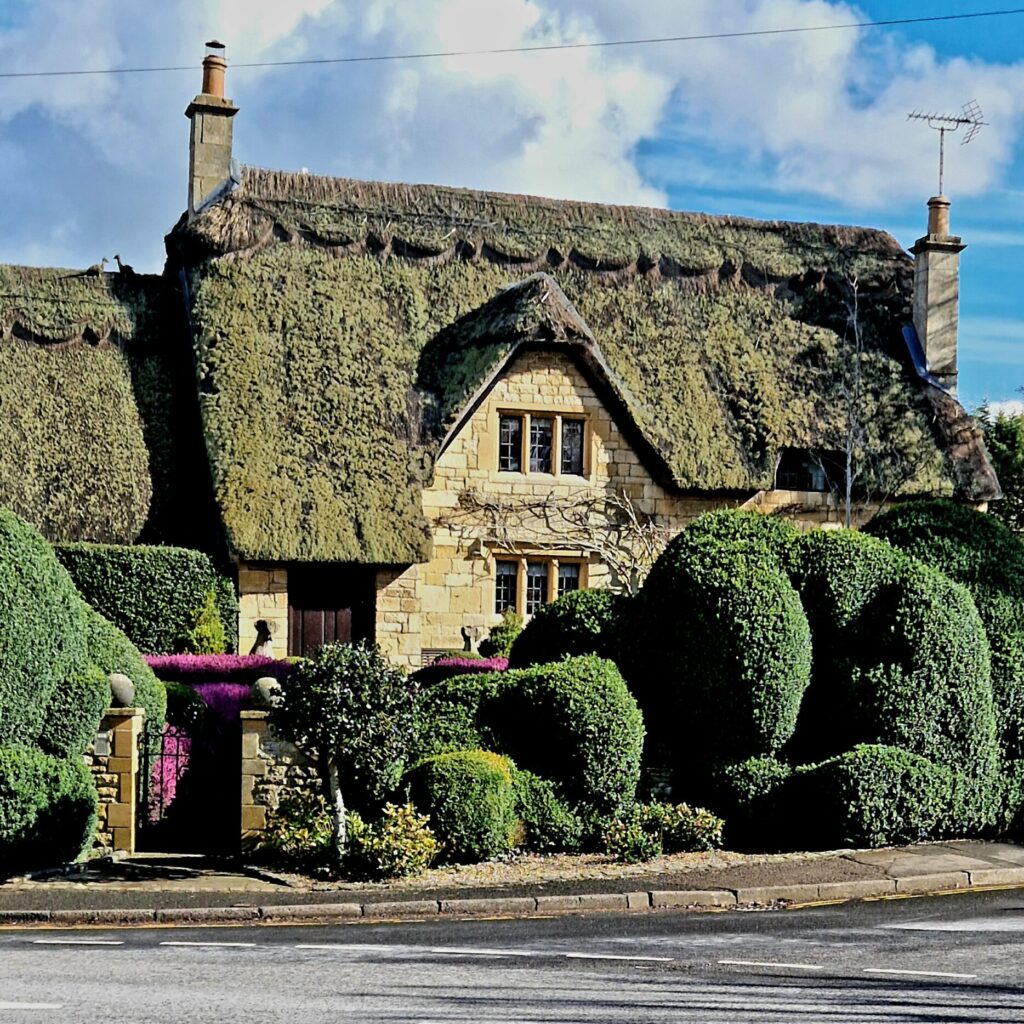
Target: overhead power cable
{"x": 539, "y": 48}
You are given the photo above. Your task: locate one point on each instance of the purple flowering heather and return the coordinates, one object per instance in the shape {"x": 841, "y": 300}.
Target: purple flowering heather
{"x": 216, "y": 668}
{"x": 447, "y": 668}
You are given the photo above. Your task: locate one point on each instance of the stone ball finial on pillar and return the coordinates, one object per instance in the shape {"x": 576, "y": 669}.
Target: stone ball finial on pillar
{"x": 122, "y": 691}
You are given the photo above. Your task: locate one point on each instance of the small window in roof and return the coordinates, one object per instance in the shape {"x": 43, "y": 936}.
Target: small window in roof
{"x": 803, "y": 470}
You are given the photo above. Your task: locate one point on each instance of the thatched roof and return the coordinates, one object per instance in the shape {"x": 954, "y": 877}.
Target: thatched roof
{"x": 91, "y": 405}
{"x": 320, "y": 306}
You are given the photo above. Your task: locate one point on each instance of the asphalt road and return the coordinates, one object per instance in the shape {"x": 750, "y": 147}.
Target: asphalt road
{"x": 955, "y": 958}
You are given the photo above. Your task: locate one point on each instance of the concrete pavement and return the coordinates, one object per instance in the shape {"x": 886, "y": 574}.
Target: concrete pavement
{"x": 191, "y": 890}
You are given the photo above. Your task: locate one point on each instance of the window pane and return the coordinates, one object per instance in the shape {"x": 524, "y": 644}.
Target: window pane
{"x": 510, "y": 444}
{"x": 505, "y": 576}
{"x": 540, "y": 444}
{"x": 568, "y": 578}
{"x": 536, "y": 586}
{"x": 572, "y": 446}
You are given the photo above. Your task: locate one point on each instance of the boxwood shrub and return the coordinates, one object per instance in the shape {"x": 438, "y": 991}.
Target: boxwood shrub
{"x": 153, "y": 594}
{"x": 73, "y": 713}
{"x": 470, "y": 800}
{"x": 573, "y": 722}
{"x": 549, "y": 824}
{"x": 720, "y": 643}
{"x": 873, "y": 795}
{"x": 47, "y": 809}
{"x": 988, "y": 558}
{"x": 42, "y": 639}
{"x": 746, "y": 795}
{"x": 112, "y": 651}
{"x": 580, "y": 622}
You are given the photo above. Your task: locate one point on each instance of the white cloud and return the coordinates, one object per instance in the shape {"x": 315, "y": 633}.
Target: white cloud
{"x": 1008, "y": 407}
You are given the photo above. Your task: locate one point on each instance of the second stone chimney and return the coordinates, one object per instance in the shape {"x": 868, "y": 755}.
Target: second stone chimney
{"x": 209, "y": 146}
{"x": 937, "y": 293}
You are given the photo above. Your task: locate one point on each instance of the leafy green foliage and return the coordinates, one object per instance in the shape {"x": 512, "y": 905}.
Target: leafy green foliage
{"x": 298, "y": 833}
{"x": 350, "y": 706}
{"x": 988, "y": 558}
{"x": 649, "y": 830}
{"x": 112, "y": 651}
{"x": 42, "y": 641}
{"x": 448, "y": 714}
{"x": 47, "y": 809}
{"x": 580, "y": 622}
{"x": 501, "y": 637}
{"x": 1004, "y": 439}
{"x": 206, "y": 635}
{"x": 73, "y": 713}
{"x": 870, "y": 796}
{"x": 548, "y": 823}
{"x": 746, "y": 794}
{"x": 186, "y": 708}
{"x": 471, "y": 802}
{"x": 573, "y": 722}
{"x": 398, "y": 844}
{"x": 154, "y": 594}
{"x": 719, "y": 636}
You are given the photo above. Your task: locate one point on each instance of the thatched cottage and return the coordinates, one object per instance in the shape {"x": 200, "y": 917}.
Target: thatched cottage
{"x": 402, "y": 409}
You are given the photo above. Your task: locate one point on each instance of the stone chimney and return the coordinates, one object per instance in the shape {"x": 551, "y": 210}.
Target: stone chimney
{"x": 209, "y": 145}
{"x": 937, "y": 293}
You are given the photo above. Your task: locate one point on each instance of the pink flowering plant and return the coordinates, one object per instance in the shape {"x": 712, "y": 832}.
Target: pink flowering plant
{"x": 217, "y": 668}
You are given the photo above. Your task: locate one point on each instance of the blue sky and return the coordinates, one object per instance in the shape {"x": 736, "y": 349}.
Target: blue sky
{"x": 797, "y": 127}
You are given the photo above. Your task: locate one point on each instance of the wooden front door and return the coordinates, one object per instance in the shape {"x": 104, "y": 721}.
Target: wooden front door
{"x": 327, "y": 604}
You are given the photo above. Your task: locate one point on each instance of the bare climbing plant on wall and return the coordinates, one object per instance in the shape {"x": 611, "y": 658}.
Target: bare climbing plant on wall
{"x": 610, "y": 526}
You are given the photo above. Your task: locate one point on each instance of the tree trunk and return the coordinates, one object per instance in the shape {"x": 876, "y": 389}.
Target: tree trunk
{"x": 338, "y": 836}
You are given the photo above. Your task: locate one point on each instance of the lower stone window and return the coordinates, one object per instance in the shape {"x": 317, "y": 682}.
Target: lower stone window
{"x": 525, "y": 584}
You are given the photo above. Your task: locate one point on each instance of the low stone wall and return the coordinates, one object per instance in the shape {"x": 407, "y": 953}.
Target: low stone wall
{"x": 113, "y": 760}
{"x": 272, "y": 769}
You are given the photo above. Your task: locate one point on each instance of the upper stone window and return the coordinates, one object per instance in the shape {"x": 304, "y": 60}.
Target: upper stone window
{"x": 802, "y": 470}
{"x": 547, "y": 444}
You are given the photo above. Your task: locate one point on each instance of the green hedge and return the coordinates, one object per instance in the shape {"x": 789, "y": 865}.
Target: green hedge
{"x": 112, "y": 651}
{"x": 448, "y": 714}
{"x": 42, "y": 641}
{"x": 746, "y": 795}
{"x": 872, "y": 795}
{"x": 573, "y": 722}
{"x": 73, "y": 713}
{"x": 470, "y": 800}
{"x": 152, "y": 594}
{"x": 47, "y": 809}
{"x": 721, "y": 647}
{"x": 988, "y": 558}
{"x": 548, "y": 823}
{"x": 580, "y": 622}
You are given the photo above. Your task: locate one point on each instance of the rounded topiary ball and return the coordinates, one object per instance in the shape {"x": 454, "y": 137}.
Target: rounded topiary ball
{"x": 580, "y": 622}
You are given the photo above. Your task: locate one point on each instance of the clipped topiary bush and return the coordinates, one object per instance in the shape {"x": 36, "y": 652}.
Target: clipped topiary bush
{"x": 873, "y": 795}
{"x": 580, "y": 622}
{"x": 153, "y": 594}
{"x": 47, "y": 809}
{"x": 470, "y": 800}
{"x": 548, "y": 823}
{"x": 73, "y": 713}
{"x": 721, "y": 645}
{"x": 501, "y": 637}
{"x": 573, "y": 722}
{"x": 746, "y": 795}
{"x": 982, "y": 553}
{"x": 42, "y": 639}
{"x": 112, "y": 651}
{"x": 448, "y": 714}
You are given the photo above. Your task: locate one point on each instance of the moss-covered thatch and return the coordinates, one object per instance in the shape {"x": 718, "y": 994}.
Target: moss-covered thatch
{"x": 323, "y": 313}
{"x": 94, "y": 406}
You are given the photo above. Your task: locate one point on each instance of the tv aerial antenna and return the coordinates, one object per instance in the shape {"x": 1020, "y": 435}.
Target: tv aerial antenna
{"x": 969, "y": 118}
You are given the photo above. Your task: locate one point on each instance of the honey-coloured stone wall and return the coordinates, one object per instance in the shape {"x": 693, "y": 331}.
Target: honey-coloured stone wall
{"x": 263, "y": 594}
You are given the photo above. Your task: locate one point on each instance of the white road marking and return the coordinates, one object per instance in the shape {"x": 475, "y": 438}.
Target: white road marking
{"x": 922, "y": 974}
{"x": 78, "y": 942}
{"x": 354, "y": 947}
{"x": 31, "y": 1006}
{"x": 765, "y": 963}
{"x": 616, "y": 956}
{"x": 469, "y": 951}
{"x": 234, "y": 945}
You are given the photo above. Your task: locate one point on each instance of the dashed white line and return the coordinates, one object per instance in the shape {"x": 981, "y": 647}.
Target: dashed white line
{"x": 922, "y": 974}
{"x": 340, "y": 947}
{"x": 31, "y": 1006}
{"x": 766, "y": 963}
{"x": 616, "y": 956}
{"x": 229, "y": 945}
{"x": 77, "y": 942}
{"x": 469, "y": 951}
